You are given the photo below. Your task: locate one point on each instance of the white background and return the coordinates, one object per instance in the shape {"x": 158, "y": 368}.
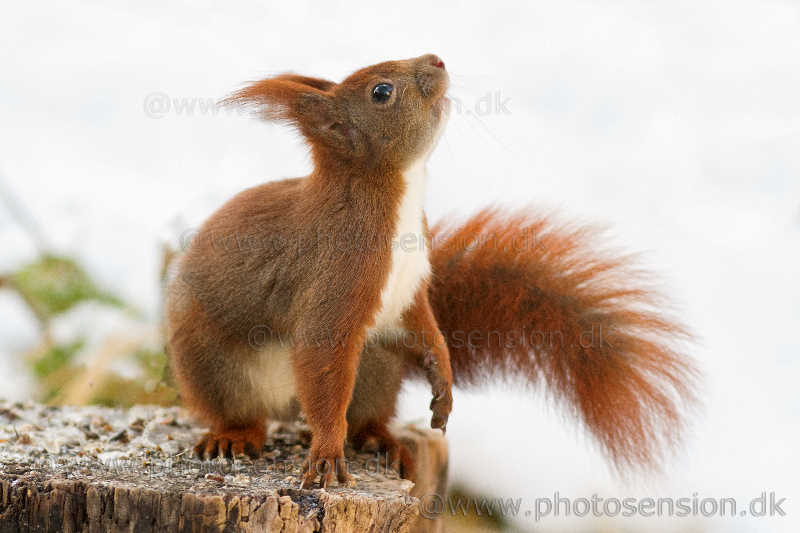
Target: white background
{"x": 678, "y": 123}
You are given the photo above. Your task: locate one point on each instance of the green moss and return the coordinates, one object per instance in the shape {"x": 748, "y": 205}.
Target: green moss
{"x": 53, "y": 284}
{"x": 55, "y": 358}
{"x": 153, "y": 362}
{"x": 115, "y": 391}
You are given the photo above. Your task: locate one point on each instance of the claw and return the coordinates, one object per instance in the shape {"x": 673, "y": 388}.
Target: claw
{"x": 224, "y": 449}
{"x": 439, "y": 422}
{"x": 251, "y": 450}
{"x": 325, "y": 469}
{"x": 436, "y": 399}
{"x": 211, "y": 449}
{"x": 200, "y": 447}
{"x": 308, "y": 481}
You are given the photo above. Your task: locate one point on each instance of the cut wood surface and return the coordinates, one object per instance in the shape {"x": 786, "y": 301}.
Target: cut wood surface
{"x": 101, "y": 469}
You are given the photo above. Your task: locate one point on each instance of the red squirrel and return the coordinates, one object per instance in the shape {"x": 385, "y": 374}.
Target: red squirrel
{"x": 351, "y": 293}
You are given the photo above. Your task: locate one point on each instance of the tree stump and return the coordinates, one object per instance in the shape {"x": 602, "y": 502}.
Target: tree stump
{"x": 101, "y": 469}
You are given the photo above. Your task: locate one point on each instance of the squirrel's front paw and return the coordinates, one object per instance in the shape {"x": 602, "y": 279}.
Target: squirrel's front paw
{"x": 441, "y": 385}
{"x": 232, "y": 442}
{"x": 324, "y": 467}
{"x": 441, "y": 405}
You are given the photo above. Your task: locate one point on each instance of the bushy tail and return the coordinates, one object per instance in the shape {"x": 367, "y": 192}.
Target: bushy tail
{"x": 520, "y": 297}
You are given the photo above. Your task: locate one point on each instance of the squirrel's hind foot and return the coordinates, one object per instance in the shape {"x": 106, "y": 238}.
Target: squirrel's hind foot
{"x": 378, "y": 439}
{"x": 231, "y": 442}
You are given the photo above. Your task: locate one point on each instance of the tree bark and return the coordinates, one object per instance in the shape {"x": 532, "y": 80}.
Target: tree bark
{"x": 98, "y": 469}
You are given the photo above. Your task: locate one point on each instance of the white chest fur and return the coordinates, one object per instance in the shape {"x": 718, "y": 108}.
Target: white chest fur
{"x": 410, "y": 264}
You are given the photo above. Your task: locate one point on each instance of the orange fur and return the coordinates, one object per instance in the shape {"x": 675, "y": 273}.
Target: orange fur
{"x": 306, "y": 262}
{"x": 531, "y": 293}
{"x": 510, "y": 295}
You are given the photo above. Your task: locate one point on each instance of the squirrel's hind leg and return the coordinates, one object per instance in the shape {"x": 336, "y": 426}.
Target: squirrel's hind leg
{"x": 380, "y": 377}
{"x": 233, "y": 389}
{"x": 262, "y": 386}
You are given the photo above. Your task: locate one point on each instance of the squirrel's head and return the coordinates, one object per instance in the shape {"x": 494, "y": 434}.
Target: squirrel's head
{"x": 389, "y": 114}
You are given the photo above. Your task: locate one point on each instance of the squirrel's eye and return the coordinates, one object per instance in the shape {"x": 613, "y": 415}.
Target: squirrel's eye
{"x": 382, "y": 92}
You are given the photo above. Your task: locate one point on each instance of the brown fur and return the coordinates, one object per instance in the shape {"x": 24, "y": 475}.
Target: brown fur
{"x": 303, "y": 261}
{"x": 272, "y": 257}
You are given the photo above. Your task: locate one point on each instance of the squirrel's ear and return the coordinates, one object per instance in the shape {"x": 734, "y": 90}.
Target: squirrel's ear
{"x": 317, "y": 83}
{"x": 304, "y": 102}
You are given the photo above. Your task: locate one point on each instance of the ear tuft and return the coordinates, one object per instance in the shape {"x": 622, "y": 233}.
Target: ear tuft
{"x": 306, "y": 103}
{"x": 278, "y": 98}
